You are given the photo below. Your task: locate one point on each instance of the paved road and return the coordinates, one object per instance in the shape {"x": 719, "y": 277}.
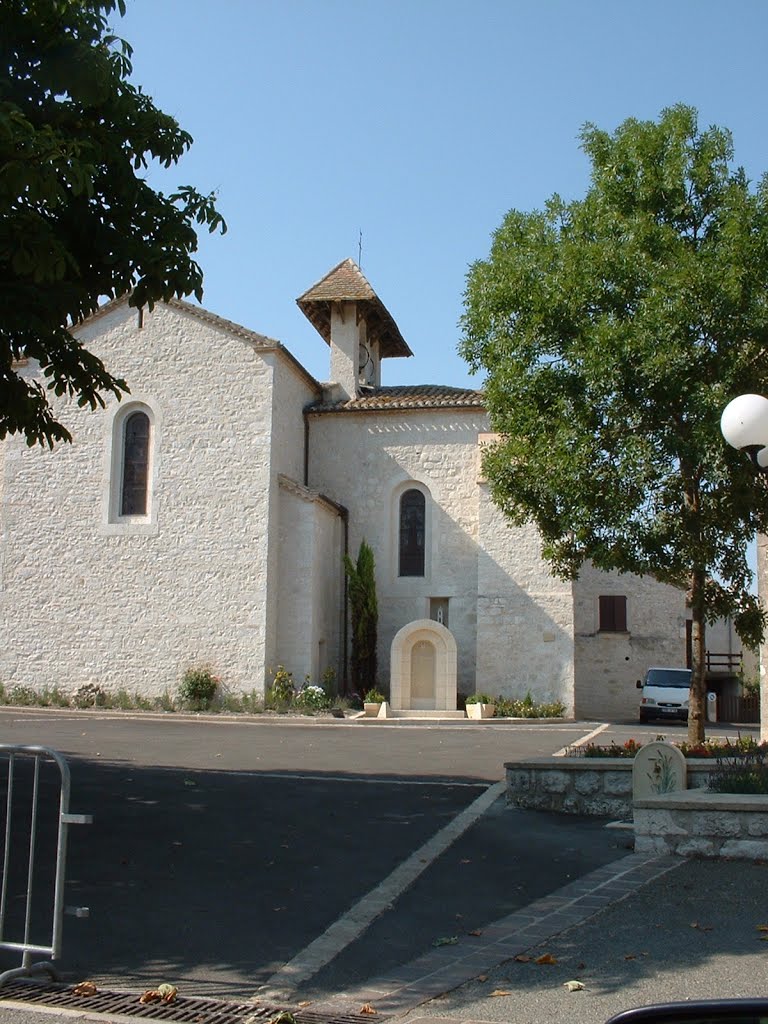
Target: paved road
{"x": 465, "y": 752}
{"x": 222, "y": 849}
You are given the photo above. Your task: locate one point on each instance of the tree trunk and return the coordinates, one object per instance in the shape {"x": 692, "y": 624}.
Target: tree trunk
{"x": 697, "y": 707}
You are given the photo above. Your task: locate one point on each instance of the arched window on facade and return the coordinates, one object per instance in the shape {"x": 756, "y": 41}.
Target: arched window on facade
{"x": 413, "y": 515}
{"x": 134, "y": 499}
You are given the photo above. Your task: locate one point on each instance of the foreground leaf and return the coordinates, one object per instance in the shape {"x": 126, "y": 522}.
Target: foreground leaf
{"x": 85, "y": 988}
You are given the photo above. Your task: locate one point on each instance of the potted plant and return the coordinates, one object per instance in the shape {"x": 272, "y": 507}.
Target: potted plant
{"x": 372, "y": 702}
{"x": 480, "y": 705}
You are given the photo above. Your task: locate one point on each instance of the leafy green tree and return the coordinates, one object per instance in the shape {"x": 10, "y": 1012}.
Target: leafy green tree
{"x": 365, "y": 617}
{"x": 613, "y": 331}
{"x": 78, "y": 221}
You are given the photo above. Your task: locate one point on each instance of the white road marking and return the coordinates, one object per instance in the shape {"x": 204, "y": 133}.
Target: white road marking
{"x": 360, "y": 915}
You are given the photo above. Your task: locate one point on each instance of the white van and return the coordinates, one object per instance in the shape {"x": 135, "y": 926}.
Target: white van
{"x": 664, "y": 693}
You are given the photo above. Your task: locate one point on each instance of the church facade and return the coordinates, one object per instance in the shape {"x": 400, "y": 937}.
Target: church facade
{"x": 203, "y": 521}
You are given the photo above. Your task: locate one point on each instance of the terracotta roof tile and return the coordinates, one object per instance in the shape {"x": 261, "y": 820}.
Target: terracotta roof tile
{"x": 347, "y": 283}
{"x": 414, "y": 396}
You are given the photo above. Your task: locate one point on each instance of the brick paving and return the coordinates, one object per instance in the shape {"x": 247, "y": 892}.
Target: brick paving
{"x": 447, "y": 967}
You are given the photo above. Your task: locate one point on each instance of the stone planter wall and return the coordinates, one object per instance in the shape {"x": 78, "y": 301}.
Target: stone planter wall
{"x": 577, "y": 785}
{"x": 698, "y": 823}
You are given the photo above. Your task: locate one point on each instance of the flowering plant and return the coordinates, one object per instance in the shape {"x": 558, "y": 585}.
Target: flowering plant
{"x": 311, "y": 696}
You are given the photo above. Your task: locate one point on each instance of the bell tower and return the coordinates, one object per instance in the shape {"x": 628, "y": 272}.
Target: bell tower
{"x": 351, "y": 318}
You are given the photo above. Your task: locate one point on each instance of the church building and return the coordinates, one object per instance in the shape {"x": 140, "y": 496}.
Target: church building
{"x": 203, "y": 520}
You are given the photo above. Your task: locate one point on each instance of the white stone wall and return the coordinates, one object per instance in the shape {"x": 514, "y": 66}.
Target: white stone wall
{"x": 731, "y": 826}
{"x": 524, "y": 614}
{"x": 365, "y": 462}
{"x": 292, "y": 390}
{"x": 608, "y": 665}
{"x": 86, "y": 600}
{"x": 310, "y": 585}
{"x": 511, "y": 620}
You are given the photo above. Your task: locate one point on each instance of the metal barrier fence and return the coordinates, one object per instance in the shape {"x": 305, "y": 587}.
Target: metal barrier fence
{"x": 38, "y": 833}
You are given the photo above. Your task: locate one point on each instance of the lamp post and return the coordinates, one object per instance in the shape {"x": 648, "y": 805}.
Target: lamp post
{"x": 744, "y": 425}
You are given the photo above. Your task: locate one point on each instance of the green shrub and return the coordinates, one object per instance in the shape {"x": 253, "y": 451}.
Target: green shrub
{"x": 165, "y": 702}
{"x": 312, "y": 698}
{"x": 743, "y": 768}
{"x": 527, "y": 707}
{"x": 281, "y": 693}
{"x": 54, "y": 698}
{"x": 480, "y": 698}
{"x": 90, "y": 695}
{"x": 198, "y": 688}
{"x": 23, "y": 696}
{"x": 374, "y": 696}
{"x": 252, "y": 703}
{"x": 328, "y": 681}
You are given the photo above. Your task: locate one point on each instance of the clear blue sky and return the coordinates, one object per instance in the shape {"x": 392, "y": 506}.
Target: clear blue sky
{"x": 419, "y": 122}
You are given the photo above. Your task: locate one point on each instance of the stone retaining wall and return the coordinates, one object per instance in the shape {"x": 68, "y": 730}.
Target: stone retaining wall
{"x": 699, "y": 823}
{"x": 600, "y": 786}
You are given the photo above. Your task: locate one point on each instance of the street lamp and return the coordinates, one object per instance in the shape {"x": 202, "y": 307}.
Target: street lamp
{"x": 744, "y": 425}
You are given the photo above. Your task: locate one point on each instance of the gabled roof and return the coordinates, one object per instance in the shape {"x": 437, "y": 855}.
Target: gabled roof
{"x": 413, "y": 396}
{"x": 260, "y": 342}
{"x": 347, "y": 283}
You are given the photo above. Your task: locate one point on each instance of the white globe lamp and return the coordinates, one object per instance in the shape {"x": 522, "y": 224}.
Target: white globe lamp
{"x": 744, "y": 425}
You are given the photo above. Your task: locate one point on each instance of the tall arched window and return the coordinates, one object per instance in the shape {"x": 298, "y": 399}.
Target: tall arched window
{"x": 135, "y": 475}
{"x": 412, "y": 533}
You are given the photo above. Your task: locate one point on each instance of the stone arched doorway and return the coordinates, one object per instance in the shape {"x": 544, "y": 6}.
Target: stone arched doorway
{"x": 423, "y": 668}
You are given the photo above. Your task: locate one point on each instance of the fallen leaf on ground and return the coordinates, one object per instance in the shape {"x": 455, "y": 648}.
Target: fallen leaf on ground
{"x": 85, "y": 988}
{"x": 465, "y": 860}
{"x": 451, "y": 940}
{"x": 523, "y": 959}
{"x": 161, "y": 994}
{"x": 189, "y": 782}
{"x": 631, "y": 956}
{"x": 545, "y": 958}
{"x": 701, "y": 927}
{"x": 762, "y": 928}
{"x": 475, "y": 931}
{"x": 367, "y": 1008}
{"x": 284, "y": 1017}
{"x": 305, "y": 1002}
{"x": 501, "y": 992}
{"x": 574, "y": 986}
{"x": 482, "y": 977}
{"x": 580, "y": 967}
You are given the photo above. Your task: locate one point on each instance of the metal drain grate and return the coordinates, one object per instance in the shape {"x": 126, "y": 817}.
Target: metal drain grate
{"x": 190, "y": 1010}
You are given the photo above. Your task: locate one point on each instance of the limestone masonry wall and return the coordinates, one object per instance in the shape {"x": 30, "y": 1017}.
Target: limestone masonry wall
{"x": 703, "y": 824}
{"x": 608, "y": 665}
{"x": 125, "y": 604}
{"x": 600, "y": 786}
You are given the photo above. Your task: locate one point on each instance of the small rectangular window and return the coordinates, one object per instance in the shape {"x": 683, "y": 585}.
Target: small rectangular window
{"x": 612, "y": 614}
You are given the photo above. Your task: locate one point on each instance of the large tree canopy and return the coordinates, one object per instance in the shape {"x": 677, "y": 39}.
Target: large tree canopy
{"x": 613, "y": 331}
{"x": 78, "y": 221}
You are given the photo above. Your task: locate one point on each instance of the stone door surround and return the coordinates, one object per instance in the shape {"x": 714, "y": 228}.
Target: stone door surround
{"x": 433, "y": 644}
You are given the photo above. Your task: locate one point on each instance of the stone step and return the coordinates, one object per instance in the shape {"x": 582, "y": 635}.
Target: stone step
{"x": 390, "y": 713}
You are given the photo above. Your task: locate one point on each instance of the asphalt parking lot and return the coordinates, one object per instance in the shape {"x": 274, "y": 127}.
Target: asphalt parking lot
{"x": 220, "y": 850}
